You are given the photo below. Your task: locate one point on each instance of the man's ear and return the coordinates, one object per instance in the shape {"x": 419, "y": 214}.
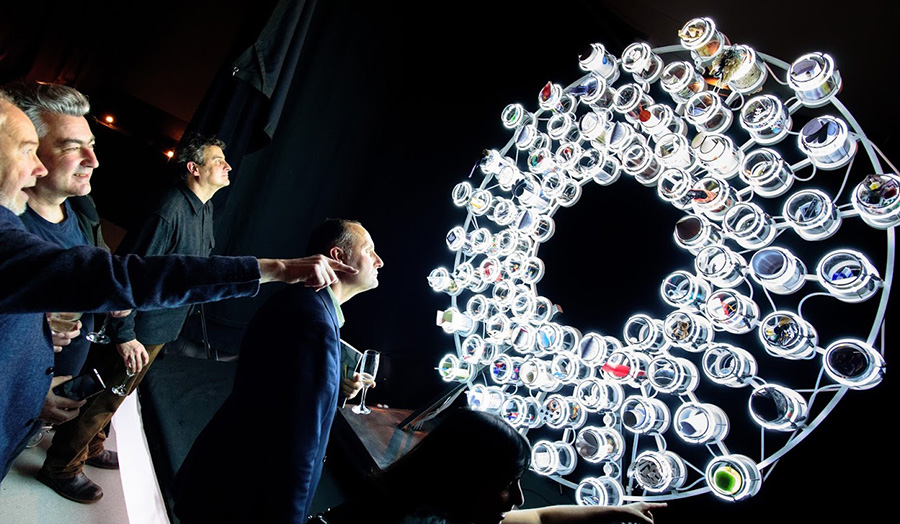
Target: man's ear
{"x": 336, "y": 253}
{"x": 193, "y": 168}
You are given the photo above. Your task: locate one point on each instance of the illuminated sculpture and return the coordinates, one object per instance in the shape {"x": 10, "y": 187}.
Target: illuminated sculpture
{"x": 702, "y": 129}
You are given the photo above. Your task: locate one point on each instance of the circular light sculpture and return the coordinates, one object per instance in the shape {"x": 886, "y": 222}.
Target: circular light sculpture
{"x": 729, "y": 182}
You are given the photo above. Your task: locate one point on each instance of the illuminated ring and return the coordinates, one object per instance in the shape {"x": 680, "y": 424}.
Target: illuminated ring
{"x": 575, "y": 379}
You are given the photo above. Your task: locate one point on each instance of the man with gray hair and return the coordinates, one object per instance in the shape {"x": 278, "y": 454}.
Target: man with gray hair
{"x": 59, "y": 209}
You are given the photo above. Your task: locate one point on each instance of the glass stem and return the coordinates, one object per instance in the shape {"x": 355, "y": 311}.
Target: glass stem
{"x": 362, "y": 399}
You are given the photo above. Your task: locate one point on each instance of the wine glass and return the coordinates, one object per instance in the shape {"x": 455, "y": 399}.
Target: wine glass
{"x": 122, "y": 389}
{"x": 368, "y": 368}
{"x": 100, "y": 337}
{"x": 63, "y": 322}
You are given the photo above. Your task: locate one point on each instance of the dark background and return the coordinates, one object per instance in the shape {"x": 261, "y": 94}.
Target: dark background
{"x": 390, "y": 107}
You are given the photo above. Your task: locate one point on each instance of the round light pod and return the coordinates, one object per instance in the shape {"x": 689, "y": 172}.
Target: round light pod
{"x": 778, "y": 270}
{"x": 596, "y": 395}
{"x": 743, "y": 71}
{"x": 645, "y": 415}
{"x": 703, "y": 40}
{"x": 643, "y": 64}
{"x": 598, "y": 60}
{"x": 707, "y": 113}
{"x": 749, "y": 226}
{"x": 626, "y": 367}
{"x": 645, "y": 334}
{"x": 599, "y": 491}
{"x": 514, "y": 115}
{"x": 505, "y": 369}
{"x": 848, "y": 275}
{"x": 766, "y": 172}
{"x": 681, "y": 81}
{"x": 521, "y": 412}
{"x": 787, "y": 335}
{"x": 728, "y": 365}
{"x": 595, "y": 444}
{"x": 630, "y": 101}
{"x": 595, "y": 91}
{"x": 593, "y": 348}
{"x": 777, "y": 407}
{"x": 563, "y": 412}
{"x": 827, "y": 142}
{"x": 452, "y": 369}
{"x": 658, "y": 471}
{"x": 674, "y": 151}
{"x": 682, "y": 289}
{"x": 698, "y": 423}
{"x": 733, "y": 477}
{"x": 674, "y": 186}
{"x": 721, "y": 266}
{"x": 638, "y": 161}
{"x": 718, "y": 154}
{"x": 812, "y": 214}
{"x": 766, "y": 119}
{"x": 712, "y": 197}
{"x": 672, "y": 375}
{"x": 694, "y": 232}
{"x": 553, "y": 458}
{"x": 814, "y": 79}
{"x": 731, "y": 311}
{"x": 853, "y": 363}
{"x": 877, "y": 199}
{"x": 687, "y": 330}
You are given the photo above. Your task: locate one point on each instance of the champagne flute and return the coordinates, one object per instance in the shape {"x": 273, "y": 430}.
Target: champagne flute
{"x": 122, "y": 389}
{"x": 368, "y": 368}
{"x": 100, "y": 337}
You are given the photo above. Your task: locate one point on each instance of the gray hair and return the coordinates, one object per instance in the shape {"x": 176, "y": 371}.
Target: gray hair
{"x": 5, "y": 98}
{"x": 35, "y": 98}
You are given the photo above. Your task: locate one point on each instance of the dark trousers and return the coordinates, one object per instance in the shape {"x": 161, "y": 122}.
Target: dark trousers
{"x": 83, "y": 437}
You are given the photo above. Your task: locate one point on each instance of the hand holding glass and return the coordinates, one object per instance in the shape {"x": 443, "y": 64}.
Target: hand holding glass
{"x": 368, "y": 368}
{"x": 63, "y": 322}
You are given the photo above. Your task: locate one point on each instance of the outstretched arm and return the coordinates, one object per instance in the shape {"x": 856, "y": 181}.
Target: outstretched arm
{"x": 637, "y": 512}
{"x": 317, "y": 271}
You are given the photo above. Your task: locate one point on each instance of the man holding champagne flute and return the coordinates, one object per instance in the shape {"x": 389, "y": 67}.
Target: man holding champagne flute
{"x": 288, "y": 373}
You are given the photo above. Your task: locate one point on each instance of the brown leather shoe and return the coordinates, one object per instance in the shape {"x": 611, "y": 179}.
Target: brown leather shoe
{"x": 78, "y": 488}
{"x": 105, "y": 460}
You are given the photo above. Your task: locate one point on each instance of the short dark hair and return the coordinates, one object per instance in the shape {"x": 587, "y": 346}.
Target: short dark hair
{"x": 191, "y": 149}
{"x": 333, "y": 232}
{"x": 36, "y": 98}
{"x": 499, "y": 455}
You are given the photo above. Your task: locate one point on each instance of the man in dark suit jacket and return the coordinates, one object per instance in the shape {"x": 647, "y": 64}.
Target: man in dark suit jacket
{"x": 289, "y": 374}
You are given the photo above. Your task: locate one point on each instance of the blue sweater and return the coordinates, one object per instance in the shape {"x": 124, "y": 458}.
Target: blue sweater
{"x": 37, "y": 276}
